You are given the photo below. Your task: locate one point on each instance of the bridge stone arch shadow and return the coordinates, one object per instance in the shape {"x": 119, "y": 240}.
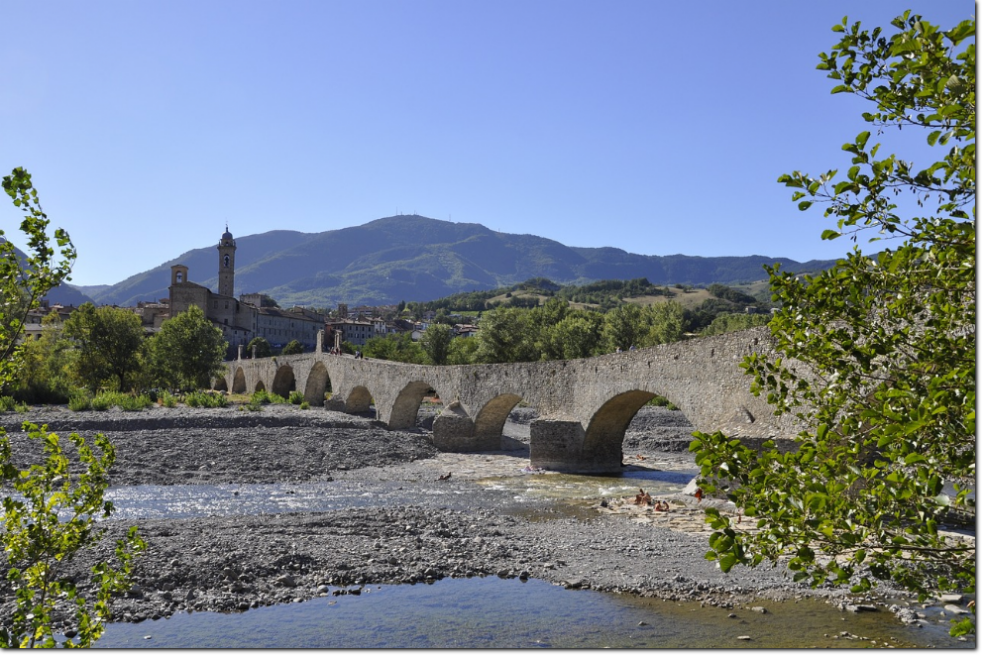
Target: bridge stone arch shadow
{"x": 318, "y": 383}
{"x": 284, "y": 381}
{"x": 239, "y": 382}
{"x": 584, "y": 406}
{"x": 604, "y": 435}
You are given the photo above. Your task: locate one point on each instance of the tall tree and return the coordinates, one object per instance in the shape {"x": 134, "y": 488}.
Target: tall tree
{"x": 187, "y": 352}
{"x": 108, "y": 340}
{"x": 263, "y": 348}
{"x": 504, "y": 337}
{"x": 436, "y": 342}
{"x": 623, "y": 327}
{"x": 578, "y": 335}
{"x": 46, "y": 376}
{"x": 879, "y": 350}
{"x": 291, "y": 348}
{"x": 663, "y": 323}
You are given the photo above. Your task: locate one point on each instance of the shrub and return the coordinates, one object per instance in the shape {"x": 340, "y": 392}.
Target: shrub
{"x": 305, "y": 405}
{"x": 51, "y": 519}
{"x": 8, "y": 404}
{"x": 296, "y": 397}
{"x": 100, "y": 402}
{"x": 80, "y": 400}
{"x": 167, "y": 399}
{"x": 205, "y": 400}
{"x": 264, "y": 397}
{"x": 123, "y": 401}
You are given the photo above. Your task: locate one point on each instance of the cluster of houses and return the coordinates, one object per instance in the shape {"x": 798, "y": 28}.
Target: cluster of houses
{"x": 256, "y": 315}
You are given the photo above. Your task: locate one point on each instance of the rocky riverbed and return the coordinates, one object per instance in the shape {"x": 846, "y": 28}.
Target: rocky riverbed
{"x": 440, "y": 526}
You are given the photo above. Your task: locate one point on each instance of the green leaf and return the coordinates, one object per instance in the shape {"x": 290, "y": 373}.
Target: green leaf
{"x": 727, "y": 562}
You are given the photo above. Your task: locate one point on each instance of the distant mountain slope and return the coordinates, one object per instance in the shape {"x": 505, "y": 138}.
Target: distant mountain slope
{"x": 410, "y": 257}
{"x": 65, "y": 294}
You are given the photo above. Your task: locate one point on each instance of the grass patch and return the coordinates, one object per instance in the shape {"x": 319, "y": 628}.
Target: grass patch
{"x": 296, "y": 397}
{"x": 106, "y": 400}
{"x": 264, "y": 397}
{"x": 9, "y": 404}
{"x": 80, "y": 400}
{"x": 201, "y": 399}
{"x": 659, "y": 400}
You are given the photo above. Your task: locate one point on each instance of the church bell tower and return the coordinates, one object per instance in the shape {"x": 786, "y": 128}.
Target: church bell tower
{"x": 227, "y": 263}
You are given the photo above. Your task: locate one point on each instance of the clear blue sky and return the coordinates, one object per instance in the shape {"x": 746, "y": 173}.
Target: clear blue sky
{"x": 652, "y": 126}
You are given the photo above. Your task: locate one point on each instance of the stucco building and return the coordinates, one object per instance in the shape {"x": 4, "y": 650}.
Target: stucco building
{"x": 240, "y": 321}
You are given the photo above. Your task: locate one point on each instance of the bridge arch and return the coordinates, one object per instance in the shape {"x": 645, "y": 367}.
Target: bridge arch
{"x": 493, "y": 416}
{"x": 606, "y": 430}
{"x": 359, "y": 400}
{"x": 239, "y": 382}
{"x": 283, "y": 381}
{"x": 260, "y": 386}
{"x": 318, "y": 383}
{"x": 220, "y": 384}
{"x": 404, "y": 413}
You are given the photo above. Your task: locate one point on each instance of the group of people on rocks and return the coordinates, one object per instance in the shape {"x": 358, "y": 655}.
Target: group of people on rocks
{"x": 644, "y": 498}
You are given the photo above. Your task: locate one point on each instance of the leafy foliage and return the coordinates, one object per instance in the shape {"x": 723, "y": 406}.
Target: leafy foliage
{"x": 436, "y": 342}
{"x": 108, "y": 341}
{"x": 263, "y": 349}
{"x": 200, "y": 399}
{"x": 123, "y": 401}
{"x": 187, "y": 352}
{"x": 37, "y": 542}
{"x": 397, "y": 347}
{"x": 48, "y": 363}
{"x": 879, "y": 351}
{"x": 23, "y": 282}
{"x": 291, "y": 348}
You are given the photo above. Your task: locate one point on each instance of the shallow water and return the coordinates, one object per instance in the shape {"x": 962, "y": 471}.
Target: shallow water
{"x": 507, "y": 613}
{"x": 567, "y": 492}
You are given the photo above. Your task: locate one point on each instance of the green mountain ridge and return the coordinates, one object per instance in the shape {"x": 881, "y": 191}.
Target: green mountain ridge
{"x": 410, "y": 257}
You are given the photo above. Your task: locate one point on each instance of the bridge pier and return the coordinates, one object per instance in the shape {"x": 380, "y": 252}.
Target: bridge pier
{"x": 335, "y": 404}
{"x": 455, "y": 432}
{"x": 559, "y": 445}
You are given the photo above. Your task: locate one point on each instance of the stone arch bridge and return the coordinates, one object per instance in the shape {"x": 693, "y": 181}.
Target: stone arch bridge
{"x": 584, "y": 405}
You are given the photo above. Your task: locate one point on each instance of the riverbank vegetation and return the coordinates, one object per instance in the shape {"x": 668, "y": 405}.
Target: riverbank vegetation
{"x": 880, "y": 350}
{"x": 37, "y": 542}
